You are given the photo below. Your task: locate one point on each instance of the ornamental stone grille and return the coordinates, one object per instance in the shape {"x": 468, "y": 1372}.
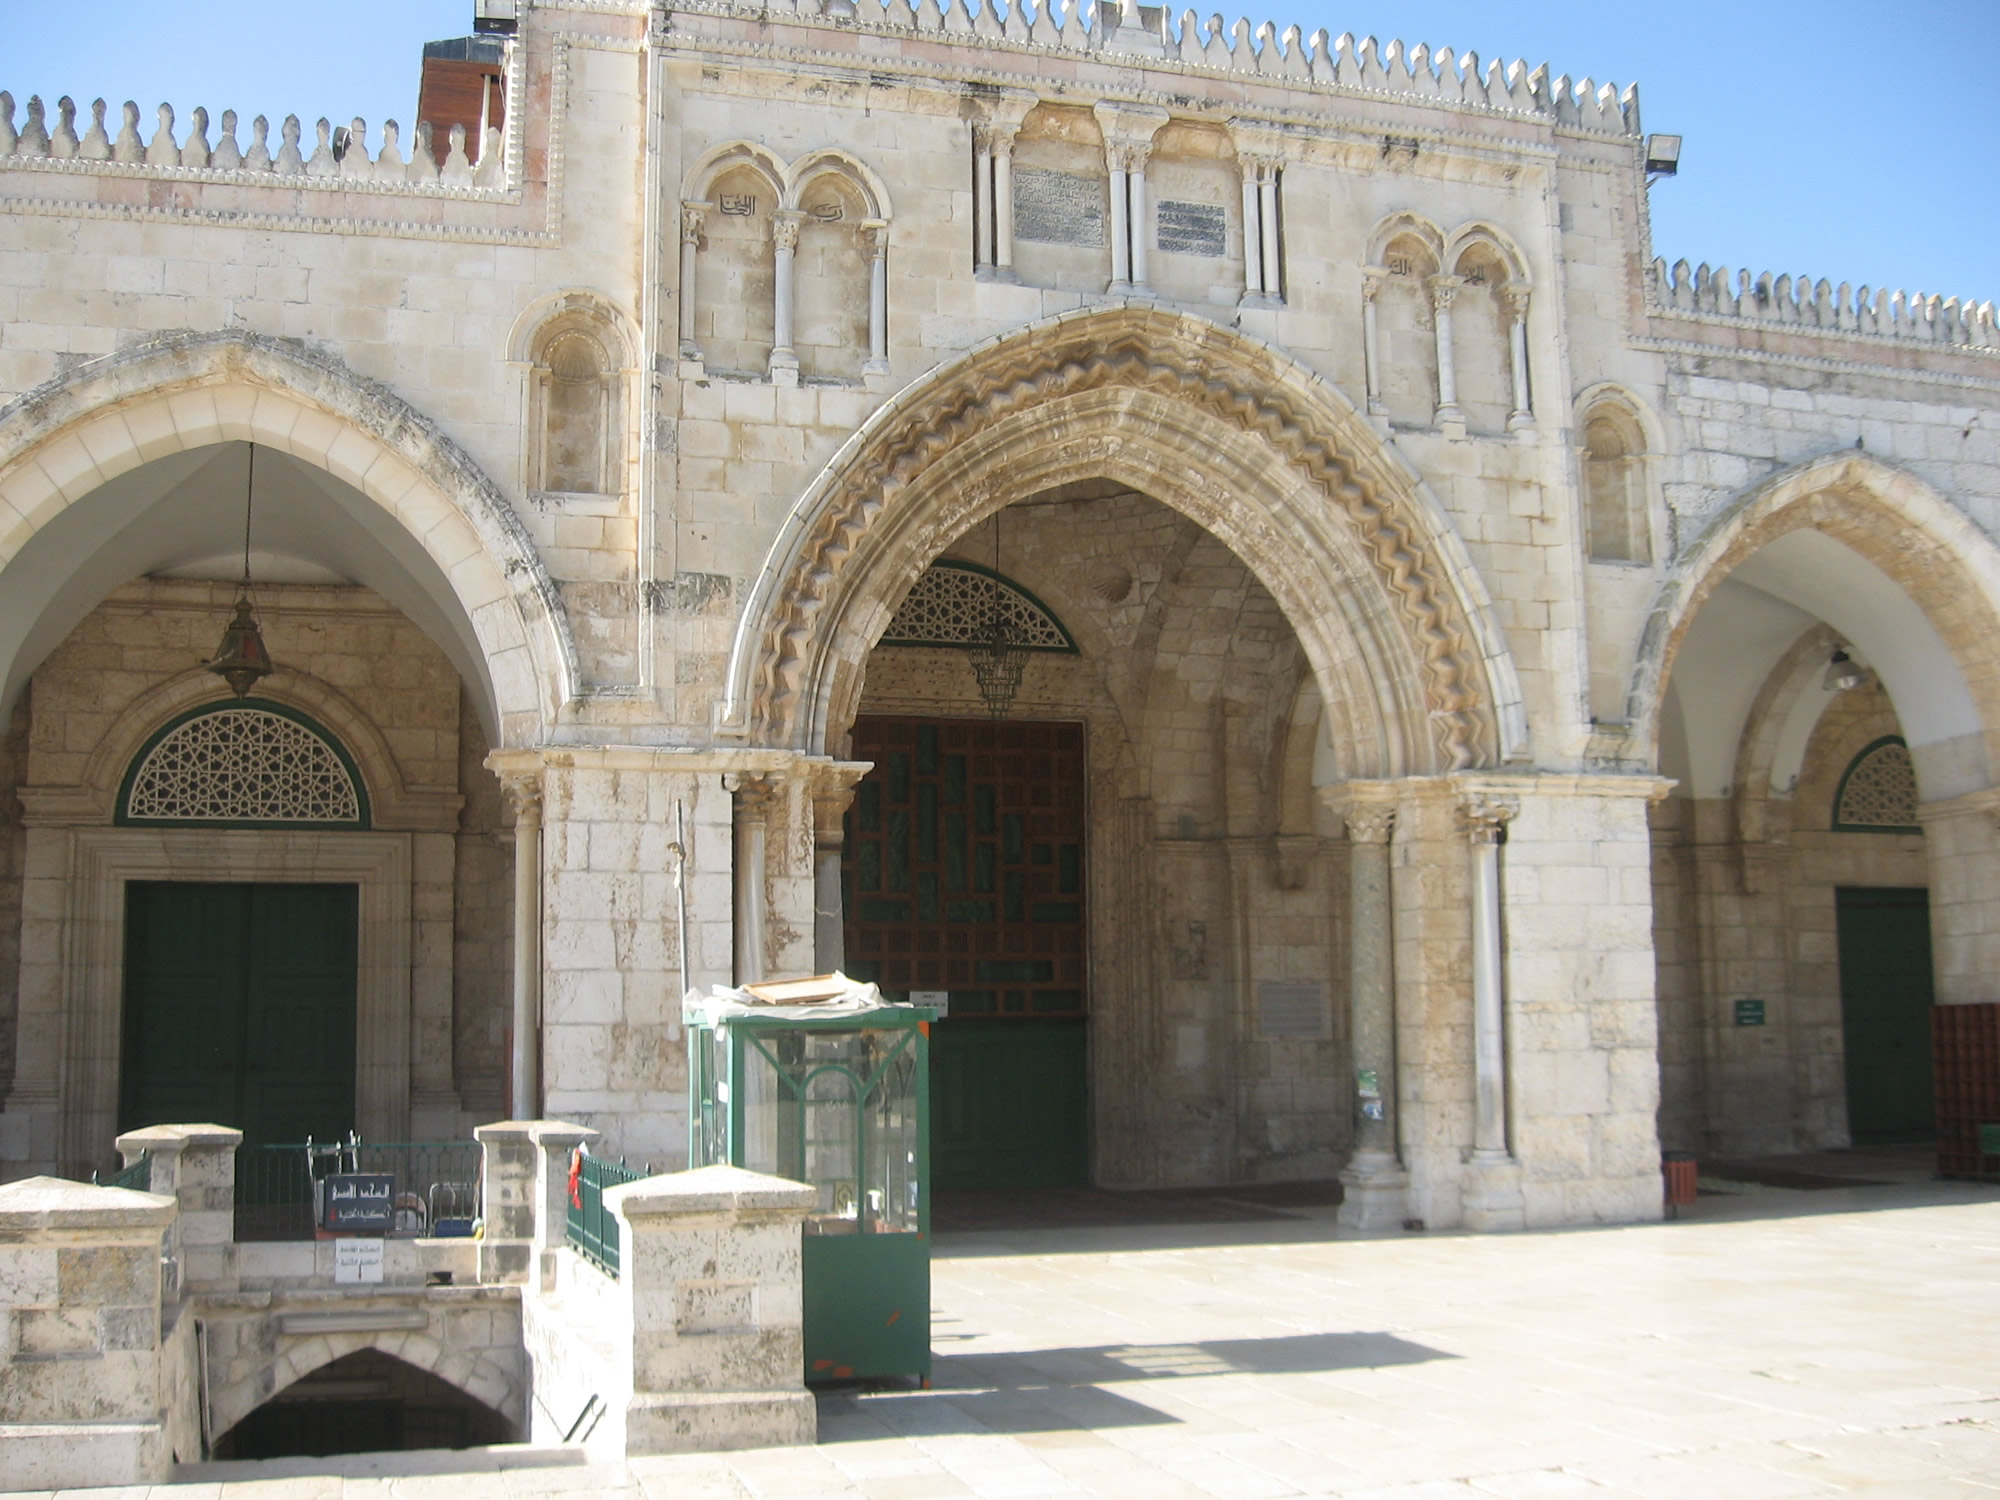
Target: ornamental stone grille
{"x": 1880, "y": 790}
{"x": 242, "y": 765}
{"x": 951, "y": 605}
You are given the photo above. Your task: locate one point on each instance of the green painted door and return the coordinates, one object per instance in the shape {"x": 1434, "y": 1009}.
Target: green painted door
{"x": 240, "y": 1008}
{"x": 1885, "y": 1007}
{"x": 963, "y": 871}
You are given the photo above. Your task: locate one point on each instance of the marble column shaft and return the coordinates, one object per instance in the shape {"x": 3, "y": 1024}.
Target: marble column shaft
{"x": 524, "y": 796}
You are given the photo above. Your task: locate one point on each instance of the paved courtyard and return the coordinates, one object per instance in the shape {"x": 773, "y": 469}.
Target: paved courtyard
{"x": 1812, "y": 1339}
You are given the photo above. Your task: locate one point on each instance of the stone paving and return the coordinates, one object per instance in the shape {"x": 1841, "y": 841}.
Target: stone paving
{"x": 1773, "y": 1342}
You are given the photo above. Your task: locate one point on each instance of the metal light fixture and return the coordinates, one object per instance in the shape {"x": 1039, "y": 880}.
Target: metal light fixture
{"x": 242, "y": 660}
{"x": 1842, "y": 672}
{"x": 999, "y": 654}
{"x": 1663, "y": 155}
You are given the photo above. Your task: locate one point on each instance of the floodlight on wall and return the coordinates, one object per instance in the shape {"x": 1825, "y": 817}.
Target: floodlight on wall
{"x": 1843, "y": 672}
{"x": 1663, "y": 155}
{"x": 242, "y": 660}
{"x": 496, "y": 17}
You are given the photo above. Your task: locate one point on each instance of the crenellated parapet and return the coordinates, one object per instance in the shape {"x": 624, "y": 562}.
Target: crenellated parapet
{"x": 338, "y": 157}
{"x": 1151, "y": 36}
{"x": 1802, "y": 303}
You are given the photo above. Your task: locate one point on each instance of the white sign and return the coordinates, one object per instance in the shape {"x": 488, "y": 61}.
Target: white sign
{"x": 356, "y": 1261}
{"x": 940, "y": 1000}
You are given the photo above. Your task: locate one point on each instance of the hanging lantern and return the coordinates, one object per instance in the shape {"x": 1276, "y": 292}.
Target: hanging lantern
{"x": 999, "y": 654}
{"x": 242, "y": 660}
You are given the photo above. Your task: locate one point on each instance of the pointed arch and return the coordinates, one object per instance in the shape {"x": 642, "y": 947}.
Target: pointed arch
{"x": 1259, "y": 451}
{"x": 475, "y": 1372}
{"x": 730, "y": 155}
{"x": 68, "y": 439}
{"x": 1943, "y": 673}
{"x": 831, "y": 160}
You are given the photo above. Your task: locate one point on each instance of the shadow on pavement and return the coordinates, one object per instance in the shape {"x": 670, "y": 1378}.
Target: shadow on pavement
{"x": 1050, "y": 1390}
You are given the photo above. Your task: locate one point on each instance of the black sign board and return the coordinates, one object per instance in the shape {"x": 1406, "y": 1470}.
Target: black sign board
{"x": 360, "y": 1201}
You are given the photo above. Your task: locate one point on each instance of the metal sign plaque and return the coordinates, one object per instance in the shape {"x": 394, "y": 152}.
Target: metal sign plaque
{"x": 358, "y": 1201}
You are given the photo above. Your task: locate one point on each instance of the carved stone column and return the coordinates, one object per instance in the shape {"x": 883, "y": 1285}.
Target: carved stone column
{"x": 832, "y": 788}
{"x": 1003, "y": 203}
{"x": 1136, "y": 158}
{"x": 1121, "y": 228}
{"x": 1253, "y": 239}
{"x": 785, "y": 242}
{"x": 1267, "y": 203}
{"x": 1523, "y": 414}
{"x": 692, "y": 215}
{"x": 877, "y": 362}
{"x": 757, "y": 797}
{"x": 1444, "y": 289}
{"x": 982, "y": 197}
{"x": 1371, "y": 339}
{"x": 523, "y": 792}
{"x": 1492, "y": 1196}
{"x": 1377, "y": 1187}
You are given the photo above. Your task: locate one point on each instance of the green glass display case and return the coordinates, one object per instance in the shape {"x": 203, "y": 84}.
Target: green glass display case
{"x": 823, "y": 1082}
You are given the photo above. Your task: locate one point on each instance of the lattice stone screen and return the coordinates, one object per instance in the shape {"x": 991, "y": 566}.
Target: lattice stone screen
{"x": 242, "y": 765}
{"x": 951, "y": 604}
{"x": 1879, "y": 791}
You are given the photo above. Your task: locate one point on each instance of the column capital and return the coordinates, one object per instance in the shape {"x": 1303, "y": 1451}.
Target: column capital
{"x": 1518, "y": 297}
{"x": 1443, "y": 289}
{"x": 1372, "y": 278}
{"x": 756, "y": 791}
{"x": 693, "y": 212}
{"x": 1369, "y": 824}
{"x": 1485, "y": 815}
{"x": 1129, "y": 128}
{"x": 785, "y": 228}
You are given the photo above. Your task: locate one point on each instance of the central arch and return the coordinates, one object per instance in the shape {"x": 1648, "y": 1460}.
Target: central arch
{"x": 1256, "y": 449}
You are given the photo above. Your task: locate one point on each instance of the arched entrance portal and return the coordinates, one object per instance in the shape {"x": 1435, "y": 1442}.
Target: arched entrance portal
{"x": 1821, "y": 679}
{"x": 412, "y": 626}
{"x": 1215, "y": 527}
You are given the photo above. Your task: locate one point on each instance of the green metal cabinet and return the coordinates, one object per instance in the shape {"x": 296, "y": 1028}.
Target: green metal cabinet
{"x": 825, "y": 1083}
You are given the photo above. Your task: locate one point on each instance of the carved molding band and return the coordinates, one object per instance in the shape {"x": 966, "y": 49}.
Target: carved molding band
{"x": 1167, "y": 362}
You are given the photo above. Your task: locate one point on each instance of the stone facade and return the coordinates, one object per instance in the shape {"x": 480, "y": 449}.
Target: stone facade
{"x": 1451, "y": 582}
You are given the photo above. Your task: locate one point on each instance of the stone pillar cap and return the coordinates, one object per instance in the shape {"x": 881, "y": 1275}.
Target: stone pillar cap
{"x": 174, "y": 1137}
{"x": 710, "y": 1190}
{"x": 58, "y": 1203}
{"x": 540, "y": 1131}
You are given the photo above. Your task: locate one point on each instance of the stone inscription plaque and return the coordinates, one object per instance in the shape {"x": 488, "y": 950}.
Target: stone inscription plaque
{"x": 1193, "y": 229}
{"x": 1291, "y": 1010}
{"x": 1058, "y": 208}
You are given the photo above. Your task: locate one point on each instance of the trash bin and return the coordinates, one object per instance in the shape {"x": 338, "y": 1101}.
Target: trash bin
{"x": 1680, "y": 1170}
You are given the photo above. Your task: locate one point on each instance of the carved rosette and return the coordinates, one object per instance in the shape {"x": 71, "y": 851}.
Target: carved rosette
{"x": 1163, "y": 361}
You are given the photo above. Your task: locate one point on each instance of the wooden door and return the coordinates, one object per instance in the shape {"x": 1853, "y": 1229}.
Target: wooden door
{"x": 963, "y": 871}
{"x": 1885, "y": 1007}
{"x": 240, "y": 1008}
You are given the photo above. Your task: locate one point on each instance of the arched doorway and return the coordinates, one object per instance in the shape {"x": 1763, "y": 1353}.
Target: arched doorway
{"x": 1820, "y": 680}
{"x": 1214, "y": 526}
{"x": 387, "y": 582}
{"x": 368, "y": 1401}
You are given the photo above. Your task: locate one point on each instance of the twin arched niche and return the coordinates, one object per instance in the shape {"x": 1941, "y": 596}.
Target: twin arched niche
{"x": 1255, "y": 449}
{"x": 70, "y": 452}
{"x": 1899, "y": 571}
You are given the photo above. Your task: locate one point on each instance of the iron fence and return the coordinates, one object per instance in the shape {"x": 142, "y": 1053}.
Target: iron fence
{"x": 138, "y": 1176}
{"x": 593, "y": 1228}
{"x": 432, "y": 1187}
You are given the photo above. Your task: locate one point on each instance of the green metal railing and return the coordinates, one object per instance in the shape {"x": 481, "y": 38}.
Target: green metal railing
{"x": 435, "y": 1188}
{"x": 593, "y": 1228}
{"x": 138, "y": 1176}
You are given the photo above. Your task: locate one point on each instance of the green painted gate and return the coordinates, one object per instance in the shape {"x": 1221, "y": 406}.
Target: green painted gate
{"x": 963, "y": 871}
{"x": 1885, "y": 1007}
{"x": 240, "y": 1008}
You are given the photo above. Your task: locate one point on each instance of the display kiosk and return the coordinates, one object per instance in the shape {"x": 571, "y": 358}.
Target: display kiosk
{"x": 824, "y": 1082}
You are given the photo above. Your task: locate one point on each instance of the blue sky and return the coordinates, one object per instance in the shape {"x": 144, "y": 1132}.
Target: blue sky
{"x": 1851, "y": 139}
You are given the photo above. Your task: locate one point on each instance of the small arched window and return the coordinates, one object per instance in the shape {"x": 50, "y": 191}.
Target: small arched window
{"x": 1614, "y": 485}
{"x": 1878, "y": 793}
{"x": 573, "y": 424}
{"x": 248, "y": 764}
